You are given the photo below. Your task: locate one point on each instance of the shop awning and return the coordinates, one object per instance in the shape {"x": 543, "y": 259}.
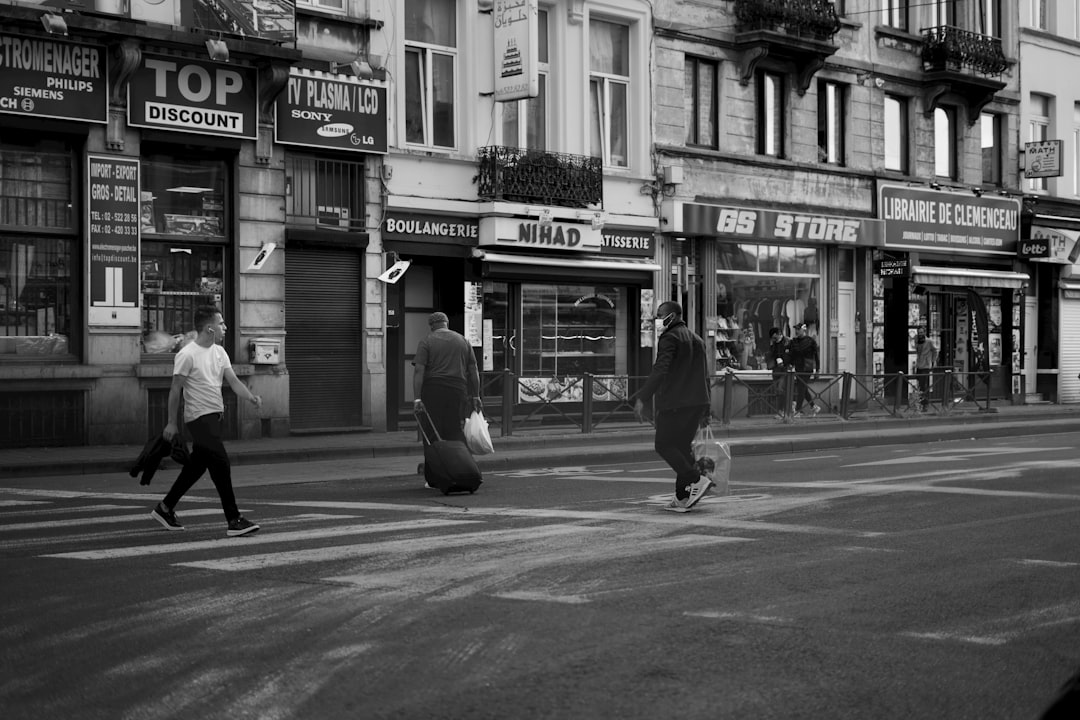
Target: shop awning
{"x": 968, "y": 277}
{"x": 579, "y": 267}
{"x": 1070, "y": 288}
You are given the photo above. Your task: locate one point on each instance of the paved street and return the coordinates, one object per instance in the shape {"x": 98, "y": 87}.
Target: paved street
{"x": 924, "y": 580}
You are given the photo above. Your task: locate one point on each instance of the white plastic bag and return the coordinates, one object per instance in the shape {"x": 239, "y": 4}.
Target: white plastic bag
{"x": 707, "y": 448}
{"x": 476, "y": 434}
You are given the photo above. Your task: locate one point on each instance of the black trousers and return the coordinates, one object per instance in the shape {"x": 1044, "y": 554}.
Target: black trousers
{"x": 923, "y": 377}
{"x": 802, "y": 391}
{"x": 447, "y": 407}
{"x": 208, "y": 453}
{"x": 674, "y": 441}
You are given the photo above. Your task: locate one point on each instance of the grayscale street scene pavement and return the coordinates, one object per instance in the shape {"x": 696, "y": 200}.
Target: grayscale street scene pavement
{"x": 918, "y": 569}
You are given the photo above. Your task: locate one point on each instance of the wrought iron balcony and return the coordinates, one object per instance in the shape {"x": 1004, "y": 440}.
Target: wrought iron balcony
{"x": 797, "y": 32}
{"x": 815, "y": 19}
{"x": 532, "y": 176}
{"x": 951, "y": 48}
{"x": 961, "y": 62}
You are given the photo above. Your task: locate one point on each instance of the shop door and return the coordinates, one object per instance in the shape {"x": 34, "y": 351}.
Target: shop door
{"x": 324, "y": 348}
{"x": 1068, "y": 351}
{"x": 1031, "y": 363}
{"x": 846, "y": 360}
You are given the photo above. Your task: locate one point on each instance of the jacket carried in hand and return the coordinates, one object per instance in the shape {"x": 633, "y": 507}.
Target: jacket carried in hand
{"x": 777, "y": 357}
{"x": 803, "y": 354}
{"x": 679, "y": 377}
{"x": 157, "y": 449}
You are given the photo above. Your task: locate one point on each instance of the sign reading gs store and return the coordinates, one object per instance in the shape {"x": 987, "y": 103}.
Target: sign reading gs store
{"x": 186, "y": 95}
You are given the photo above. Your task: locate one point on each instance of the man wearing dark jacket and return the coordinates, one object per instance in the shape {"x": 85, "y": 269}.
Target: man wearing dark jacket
{"x": 804, "y": 359}
{"x": 679, "y": 381}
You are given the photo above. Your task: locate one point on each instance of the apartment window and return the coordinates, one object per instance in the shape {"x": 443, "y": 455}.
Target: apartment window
{"x": 944, "y": 12}
{"x": 830, "y": 122}
{"x": 609, "y": 88}
{"x": 430, "y": 69}
{"x": 945, "y": 142}
{"x": 1039, "y": 14}
{"x": 894, "y": 13}
{"x": 989, "y": 17}
{"x": 1038, "y": 129}
{"x": 337, "y": 6}
{"x": 524, "y": 122}
{"x": 701, "y": 103}
{"x": 896, "y": 133}
{"x": 993, "y": 146}
{"x": 770, "y": 109}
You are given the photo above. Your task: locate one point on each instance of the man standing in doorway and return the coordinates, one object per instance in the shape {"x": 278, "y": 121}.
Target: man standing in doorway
{"x": 198, "y": 370}
{"x": 679, "y": 380}
{"x": 445, "y": 377}
{"x": 804, "y": 360}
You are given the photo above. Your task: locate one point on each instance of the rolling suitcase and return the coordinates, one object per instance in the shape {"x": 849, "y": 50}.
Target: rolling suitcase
{"x": 448, "y": 464}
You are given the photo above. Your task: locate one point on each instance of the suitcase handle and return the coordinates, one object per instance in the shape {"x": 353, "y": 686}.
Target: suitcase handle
{"x": 420, "y": 424}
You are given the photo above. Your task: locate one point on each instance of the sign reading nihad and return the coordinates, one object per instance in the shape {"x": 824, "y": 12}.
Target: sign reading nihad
{"x": 510, "y": 232}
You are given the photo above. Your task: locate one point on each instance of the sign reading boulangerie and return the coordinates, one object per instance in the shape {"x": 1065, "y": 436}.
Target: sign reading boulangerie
{"x": 45, "y": 78}
{"x": 113, "y": 243}
{"x": 955, "y": 221}
{"x": 186, "y": 95}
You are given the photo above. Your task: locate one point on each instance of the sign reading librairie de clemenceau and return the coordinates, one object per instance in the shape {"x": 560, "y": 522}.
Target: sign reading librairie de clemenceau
{"x": 957, "y": 221}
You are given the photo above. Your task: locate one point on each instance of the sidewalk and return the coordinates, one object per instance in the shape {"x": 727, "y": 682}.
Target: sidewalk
{"x": 398, "y": 453}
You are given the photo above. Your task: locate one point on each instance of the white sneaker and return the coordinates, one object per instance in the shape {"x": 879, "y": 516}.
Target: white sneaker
{"x": 698, "y": 490}
{"x": 814, "y": 410}
{"x": 676, "y": 505}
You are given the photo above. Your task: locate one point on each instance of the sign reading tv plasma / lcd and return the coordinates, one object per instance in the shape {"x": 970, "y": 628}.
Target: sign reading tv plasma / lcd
{"x": 113, "y": 241}
{"x": 196, "y": 96}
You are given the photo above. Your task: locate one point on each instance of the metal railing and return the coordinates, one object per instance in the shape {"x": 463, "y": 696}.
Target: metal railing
{"x": 535, "y": 176}
{"x": 951, "y": 48}
{"x": 801, "y": 18}
{"x": 595, "y": 402}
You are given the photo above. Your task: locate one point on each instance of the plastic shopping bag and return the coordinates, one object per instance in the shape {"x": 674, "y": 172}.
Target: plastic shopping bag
{"x": 713, "y": 459}
{"x": 476, "y": 434}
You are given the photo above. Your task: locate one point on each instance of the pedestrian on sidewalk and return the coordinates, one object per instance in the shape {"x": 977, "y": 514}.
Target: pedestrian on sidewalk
{"x": 804, "y": 362}
{"x": 445, "y": 377}
{"x": 776, "y": 358}
{"x": 925, "y": 358}
{"x": 198, "y": 371}
{"x": 679, "y": 381}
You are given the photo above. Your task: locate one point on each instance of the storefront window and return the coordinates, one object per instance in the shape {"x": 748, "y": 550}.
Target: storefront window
{"x": 759, "y": 287}
{"x": 573, "y": 329}
{"x": 37, "y": 286}
{"x": 183, "y": 248}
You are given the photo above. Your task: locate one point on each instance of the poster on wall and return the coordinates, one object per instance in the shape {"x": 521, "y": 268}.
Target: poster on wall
{"x": 474, "y": 313}
{"x": 648, "y": 331}
{"x": 112, "y": 207}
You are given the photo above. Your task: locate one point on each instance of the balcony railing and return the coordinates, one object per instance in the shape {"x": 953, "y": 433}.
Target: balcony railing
{"x": 815, "y": 19}
{"x": 951, "y": 48}
{"x": 531, "y": 176}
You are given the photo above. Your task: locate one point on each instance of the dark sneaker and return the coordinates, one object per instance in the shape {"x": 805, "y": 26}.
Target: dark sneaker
{"x": 698, "y": 490}
{"x": 676, "y": 505}
{"x": 241, "y": 526}
{"x": 167, "y": 518}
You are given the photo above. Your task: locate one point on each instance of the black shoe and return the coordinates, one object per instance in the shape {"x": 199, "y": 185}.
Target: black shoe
{"x": 240, "y": 526}
{"x": 167, "y": 518}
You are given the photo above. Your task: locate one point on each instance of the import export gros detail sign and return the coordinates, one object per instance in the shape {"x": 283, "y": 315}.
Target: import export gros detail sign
{"x": 925, "y": 219}
{"x": 318, "y": 111}
{"x": 46, "y": 78}
{"x": 186, "y": 95}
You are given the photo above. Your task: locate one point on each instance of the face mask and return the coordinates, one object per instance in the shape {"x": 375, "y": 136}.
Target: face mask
{"x": 662, "y": 323}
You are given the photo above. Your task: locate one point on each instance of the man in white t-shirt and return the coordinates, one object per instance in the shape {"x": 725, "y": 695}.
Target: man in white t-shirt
{"x": 198, "y": 370}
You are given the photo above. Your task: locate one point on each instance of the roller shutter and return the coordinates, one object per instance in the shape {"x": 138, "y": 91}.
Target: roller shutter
{"x": 1069, "y": 349}
{"x": 324, "y": 345}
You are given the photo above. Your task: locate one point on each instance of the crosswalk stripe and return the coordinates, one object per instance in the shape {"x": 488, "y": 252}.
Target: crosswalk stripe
{"x": 107, "y": 520}
{"x": 409, "y": 545}
{"x": 20, "y": 503}
{"x": 270, "y": 537}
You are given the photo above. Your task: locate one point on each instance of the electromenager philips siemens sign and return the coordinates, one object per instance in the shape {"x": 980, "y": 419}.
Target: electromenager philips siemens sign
{"x": 46, "y": 78}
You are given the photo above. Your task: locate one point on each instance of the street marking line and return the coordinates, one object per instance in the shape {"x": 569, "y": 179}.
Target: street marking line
{"x": 1045, "y": 563}
{"x": 999, "y": 631}
{"x": 804, "y": 458}
{"x": 84, "y": 522}
{"x": 148, "y": 496}
{"x": 869, "y": 487}
{"x": 257, "y": 539}
{"x": 409, "y": 545}
{"x": 741, "y": 616}
{"x": 543, "y": 597}
{"x": 935, "y": 456}
{"x": 653, "y": 516}
{"x": 19, "y": 503}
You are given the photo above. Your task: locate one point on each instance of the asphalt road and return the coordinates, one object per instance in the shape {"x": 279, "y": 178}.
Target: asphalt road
{"x": 919, "y": 581}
